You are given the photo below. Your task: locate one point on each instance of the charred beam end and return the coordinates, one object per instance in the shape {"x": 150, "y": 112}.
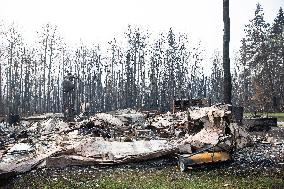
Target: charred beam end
{"x": 226, "y": 57}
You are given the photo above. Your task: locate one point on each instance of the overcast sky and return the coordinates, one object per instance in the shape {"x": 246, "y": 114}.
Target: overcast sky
{"x": 97, "y": 21}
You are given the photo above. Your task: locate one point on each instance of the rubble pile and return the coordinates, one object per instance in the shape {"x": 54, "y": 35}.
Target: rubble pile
{"x": 267, "y": 149}
{"x": 259, "y": 156}
{"x": 114, "y": 137}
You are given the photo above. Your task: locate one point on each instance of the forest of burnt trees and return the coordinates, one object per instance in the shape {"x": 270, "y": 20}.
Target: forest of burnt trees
{"x": 139, "y": 71}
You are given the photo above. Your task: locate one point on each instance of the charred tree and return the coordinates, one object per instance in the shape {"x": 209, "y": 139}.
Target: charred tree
{"x": 226, "y": 57}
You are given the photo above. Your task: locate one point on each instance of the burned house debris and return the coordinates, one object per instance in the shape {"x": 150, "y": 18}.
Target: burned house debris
{"x": 195, "y": 133}
{"x": 184, "y": 104}
{"x": 119, "y": 136}
{"x": 260, "y": 123}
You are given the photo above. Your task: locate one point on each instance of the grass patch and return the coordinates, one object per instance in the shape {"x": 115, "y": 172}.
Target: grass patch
{"x": 166, "y": 178}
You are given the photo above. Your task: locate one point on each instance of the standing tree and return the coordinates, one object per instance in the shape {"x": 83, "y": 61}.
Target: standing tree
{"x": 216, "y": 79}
{"x": 254, "y": 60}
{"x": 226, "y": 57}
{"x": 276, "y": 57}
{"x": 14, "y": 47}
{"x": 1, "y": 77}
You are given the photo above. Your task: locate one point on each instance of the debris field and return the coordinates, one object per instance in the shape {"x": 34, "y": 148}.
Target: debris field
{"x": 125, "y": 136}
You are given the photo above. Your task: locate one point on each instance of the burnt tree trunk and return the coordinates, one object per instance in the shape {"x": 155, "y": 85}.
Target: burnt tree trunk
{"x": 226, "y": 58}
{"x": 1, "y": 102}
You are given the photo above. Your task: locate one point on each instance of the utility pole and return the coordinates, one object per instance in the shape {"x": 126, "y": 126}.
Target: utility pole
{"x": 226, "y": 56}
